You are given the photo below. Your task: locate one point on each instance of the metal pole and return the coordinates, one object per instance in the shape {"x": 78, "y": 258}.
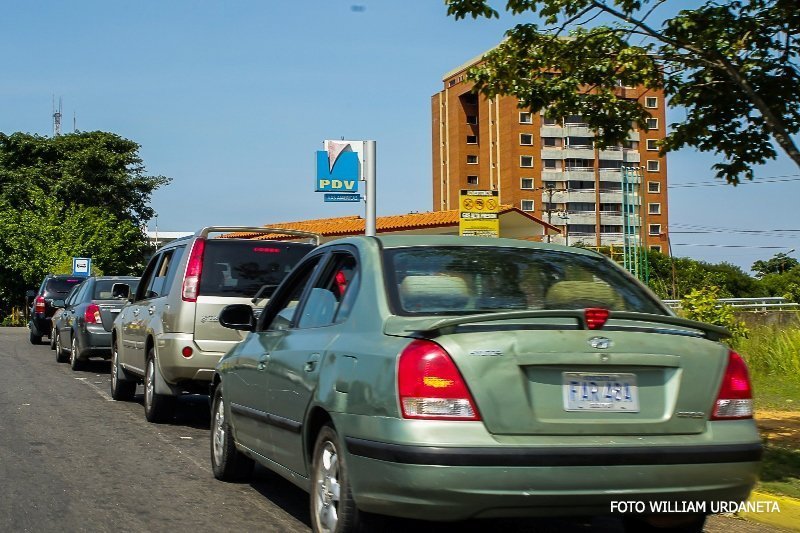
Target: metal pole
{"x": 369, "y": 182}
{"x": 625, "y": 262}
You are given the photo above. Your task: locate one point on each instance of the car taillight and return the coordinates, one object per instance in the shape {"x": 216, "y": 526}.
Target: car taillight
{"x": 194, "y": 268}
{"x": 92, "y": 314}
{"x": 430, "y": 385}
{"x": 735, "y": 398}
{"x": 39, "y": 305}
{"x": 596, "y": 317}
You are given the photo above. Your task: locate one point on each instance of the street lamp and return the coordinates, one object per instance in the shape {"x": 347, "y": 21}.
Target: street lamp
{"x": 564, "y": 215}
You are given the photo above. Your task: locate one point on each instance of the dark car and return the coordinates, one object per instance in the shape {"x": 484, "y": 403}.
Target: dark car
{"x": 58, "y": 317}
{"x": 53, "y": 289}
{"x": 84, "y": 327}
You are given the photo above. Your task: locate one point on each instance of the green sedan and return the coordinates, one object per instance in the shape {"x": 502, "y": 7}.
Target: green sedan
{"x": 447, "y": 378}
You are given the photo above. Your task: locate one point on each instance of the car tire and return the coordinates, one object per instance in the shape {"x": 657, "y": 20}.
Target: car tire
{"x": 52, "y": 339}
{"x": 329, "y": 474}
{"x": 61, "y": 355}
{"x": 123, "y": 389}
{"x": 35, "y": 339}
{"x": 682, "y": 523}
{"x": 75, "y": 362}
{"x": 157, "y": 407}
{"x": 227, "y": 463}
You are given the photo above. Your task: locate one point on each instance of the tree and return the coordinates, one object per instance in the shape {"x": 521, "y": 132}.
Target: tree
{"x": 734, "y": 67}
{"x": 730, "y": 281}
{"x": 778, "y": 264}
{"x": 93, "y": 169}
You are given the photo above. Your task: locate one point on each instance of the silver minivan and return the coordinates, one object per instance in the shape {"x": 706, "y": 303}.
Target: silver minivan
{"x": 168, "y": 335}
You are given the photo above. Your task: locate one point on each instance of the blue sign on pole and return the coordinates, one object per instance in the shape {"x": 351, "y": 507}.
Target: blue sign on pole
{"x": 331, "y": 197}
{"x": 81, "y": 266}
{"x": 343, "y": 177}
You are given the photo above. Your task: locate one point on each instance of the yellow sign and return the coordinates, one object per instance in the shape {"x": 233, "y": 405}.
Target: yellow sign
{"x": 479, "y": 214}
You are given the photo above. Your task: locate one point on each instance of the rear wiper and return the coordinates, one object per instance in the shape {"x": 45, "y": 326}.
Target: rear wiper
{"x": 261, "y": 291}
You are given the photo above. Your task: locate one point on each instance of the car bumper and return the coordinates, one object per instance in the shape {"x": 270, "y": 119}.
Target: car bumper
{"x": 95, "y": 341}
{"x": 41, "y": 325}
{"x": 176, "y": 369}
{"x": 544, "y": 477}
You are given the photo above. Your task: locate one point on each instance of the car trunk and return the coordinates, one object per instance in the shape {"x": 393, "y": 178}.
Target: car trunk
{"x": 546, "y": 377}
{"x": 109, "y": 310}
{"x": 209, "y": 335}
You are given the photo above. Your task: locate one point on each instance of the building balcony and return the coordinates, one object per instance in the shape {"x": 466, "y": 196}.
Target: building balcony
{"x": 612, "y": 153}
{"x": 589, "y": 239}
{"x": 551, "y": 152}
{"x": 610, "y": 174}
{"x": 551, "y": 131}
{"x": 582, "y": 217}
{"x": 631, "y": 156}
{"x": 578, "y": 174}
{"x": 616, "y": 198}
{"x": 552, "y": 175}
{"x": 578, "y": 152}
{"x": 562, "y": 197}
{"x": 615, "y": 218}
{"x": 609, "y": 239}
{"x": 578, "y": 130}
{"x": 633, "y": 136}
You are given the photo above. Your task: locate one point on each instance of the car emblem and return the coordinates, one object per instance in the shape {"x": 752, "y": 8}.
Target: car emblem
{"x": 600, "y": 343}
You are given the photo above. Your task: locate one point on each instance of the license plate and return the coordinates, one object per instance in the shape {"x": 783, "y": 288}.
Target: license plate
{"x": 585, "y": 391}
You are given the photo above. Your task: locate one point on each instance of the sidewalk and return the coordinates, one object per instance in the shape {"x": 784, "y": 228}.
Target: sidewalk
{"x": 787, "y": 518}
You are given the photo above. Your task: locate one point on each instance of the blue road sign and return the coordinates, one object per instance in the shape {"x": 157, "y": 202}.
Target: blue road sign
{"x": 81, "y": 266}
{"x": 329, "y": 197}
{"x": 343, "y": 177}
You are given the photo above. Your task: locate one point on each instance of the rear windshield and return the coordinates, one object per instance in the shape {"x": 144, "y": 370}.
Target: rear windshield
{"x": 102, "y": 288}
{"x": 241, "y": 268}
{"x": 61, "y": 285}
{"x": 480, "y": 279}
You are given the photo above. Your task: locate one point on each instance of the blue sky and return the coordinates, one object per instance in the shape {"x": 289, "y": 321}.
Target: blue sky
{"x": 231, "y": 99}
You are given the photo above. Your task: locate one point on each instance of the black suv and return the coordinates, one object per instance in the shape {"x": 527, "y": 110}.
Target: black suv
{"x": 53, "y": 288}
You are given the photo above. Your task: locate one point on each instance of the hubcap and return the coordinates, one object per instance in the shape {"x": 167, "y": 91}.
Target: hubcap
{"x": 327, "y": 488}
{"x": 114, "y": 367}
{"x": 73, "y": 355}
{"x": 148, "y": 384}
{"x": 218, "y": 440}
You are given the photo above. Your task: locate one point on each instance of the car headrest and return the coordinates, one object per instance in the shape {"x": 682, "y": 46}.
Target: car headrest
{"x": 434, "y": 293}
{"x": 582, "y": 294}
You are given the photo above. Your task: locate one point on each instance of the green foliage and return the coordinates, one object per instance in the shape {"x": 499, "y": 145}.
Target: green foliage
{"x": 778, "y": 264}
{"x": 701, "y": 305}
{"x": 786, "y": 284}
{"x": 733, "y": 66}
{"x": 772, "y": 350}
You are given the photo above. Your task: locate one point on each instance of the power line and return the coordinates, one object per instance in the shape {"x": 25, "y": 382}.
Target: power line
{"x": 769, "y": 179}
{"x": 732, "y": 246}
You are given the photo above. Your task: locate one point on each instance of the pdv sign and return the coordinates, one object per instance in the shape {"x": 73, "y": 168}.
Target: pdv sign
{"x": 340, "y": 175}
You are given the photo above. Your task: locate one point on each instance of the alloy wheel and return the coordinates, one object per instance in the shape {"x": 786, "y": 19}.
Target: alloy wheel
{"x": 218, "y": 439}
{"x": 327, "y": 490}
{"x": 149, "y": 383}
{"x": 114, "y": 365}
{"x": 73, "y": 355}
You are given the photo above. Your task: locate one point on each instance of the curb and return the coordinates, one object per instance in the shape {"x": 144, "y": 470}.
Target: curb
{"x": 788, "y": 517}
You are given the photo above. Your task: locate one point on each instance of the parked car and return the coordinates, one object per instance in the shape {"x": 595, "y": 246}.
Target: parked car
{"x": 58, "y": 318}
{"x": 168, "y": 336}
{"x": 84, "y": 326}
{"x": 53, "y": 288}
{"x": 447, "y": 378}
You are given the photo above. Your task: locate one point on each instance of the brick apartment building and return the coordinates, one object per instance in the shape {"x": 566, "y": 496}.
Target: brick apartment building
{"x": 494, "y": 145}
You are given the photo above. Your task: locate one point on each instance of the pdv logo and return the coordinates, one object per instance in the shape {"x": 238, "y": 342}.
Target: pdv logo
{"x": 337, "y": 171}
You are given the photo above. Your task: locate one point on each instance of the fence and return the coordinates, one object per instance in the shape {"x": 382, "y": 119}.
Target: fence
{"x": 769, "y": 303}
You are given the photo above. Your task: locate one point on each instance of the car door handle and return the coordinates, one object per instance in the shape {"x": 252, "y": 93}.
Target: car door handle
{"x": 311, "y": 364}
{"x": 151, "y": 309}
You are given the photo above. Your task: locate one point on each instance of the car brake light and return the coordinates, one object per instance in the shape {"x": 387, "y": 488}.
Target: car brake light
{"x": 39, "y": 305}
{"x": 596, "y": 317}
{"x": 430, "y": 386}
{"x": 194, "y": 268}
{"x": 735, "y": 398}
{"x": 92, "y": 314}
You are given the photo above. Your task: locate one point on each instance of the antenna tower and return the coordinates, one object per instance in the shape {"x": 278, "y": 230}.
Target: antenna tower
{"x": 57, "y": 116}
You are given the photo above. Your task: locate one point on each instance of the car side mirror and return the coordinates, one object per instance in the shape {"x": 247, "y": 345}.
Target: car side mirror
{"x": 58, "y": 304}
{"x": 237, "y": 316}
{"x": 120, "y": 291}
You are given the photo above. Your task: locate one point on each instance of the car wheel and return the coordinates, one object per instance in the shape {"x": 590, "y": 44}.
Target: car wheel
{"x": 52, "y": 339}
{"x": 157, "y": 407}
{"x": 75, "y": 362}
{"x": 228, "y": 463}
{"x": 684, "y": 523}
{"x": 61, "y": 355}
{"x": 332, "y": 506}
{"x": 122, "y": 389}
{"x": 35, "y": 339}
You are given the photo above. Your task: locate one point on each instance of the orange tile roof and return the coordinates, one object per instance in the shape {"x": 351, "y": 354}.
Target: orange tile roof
{"x": 355, "y": 225}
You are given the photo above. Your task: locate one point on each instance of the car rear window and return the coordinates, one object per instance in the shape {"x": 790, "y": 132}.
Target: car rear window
{"x": 102, "y": 288}
{"x": 480, "y": 279}
{"x": 61, "y": 285}
{"x": 241, "y": 268}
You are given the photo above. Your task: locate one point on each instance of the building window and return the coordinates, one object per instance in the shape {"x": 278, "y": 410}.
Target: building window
{"x": 472, "y": 159}
{"x": 652, "y": 123}
{"x": 526, "y": 161}
{"x": 526, "y": 183}
{"x": 549, "y": 121}
{"x": 472, "y": 139}
{"x": 451, "y": 83}
{"x": 654, "y": 209}
{"x": 551, "y": 142}
{"x": 551, "y": 164}
{"x": 655, "y": 248}
{"x": 525, "y": 139}
{"x": 654, "y": 186}
{"x": 652, "y": 145}
{"x": 651, "y": 102}
{"x": 653, "y": 165}
{"x": 472, "y": 119}
{"x": 472, "y": 180}
{"x": 654, "y": 229}
{"x": 527, "y": 205}
{"x": 525, "y": 117}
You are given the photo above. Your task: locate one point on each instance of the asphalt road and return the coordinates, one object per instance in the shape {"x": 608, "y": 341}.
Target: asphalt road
{"x": 72, "y": 459}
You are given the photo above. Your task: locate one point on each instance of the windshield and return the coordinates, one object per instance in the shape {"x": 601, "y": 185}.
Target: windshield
{"x": 480, "y": 279}
{"x": 61, "y": 285}
{"x": 241, "y": 268}
{"x": 103, "y": 288}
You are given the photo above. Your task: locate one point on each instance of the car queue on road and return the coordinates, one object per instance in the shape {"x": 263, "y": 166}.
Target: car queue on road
{"x": 440, "y": 378}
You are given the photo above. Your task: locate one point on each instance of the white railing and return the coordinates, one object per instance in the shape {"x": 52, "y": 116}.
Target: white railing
{"x": 768, "y": 303}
